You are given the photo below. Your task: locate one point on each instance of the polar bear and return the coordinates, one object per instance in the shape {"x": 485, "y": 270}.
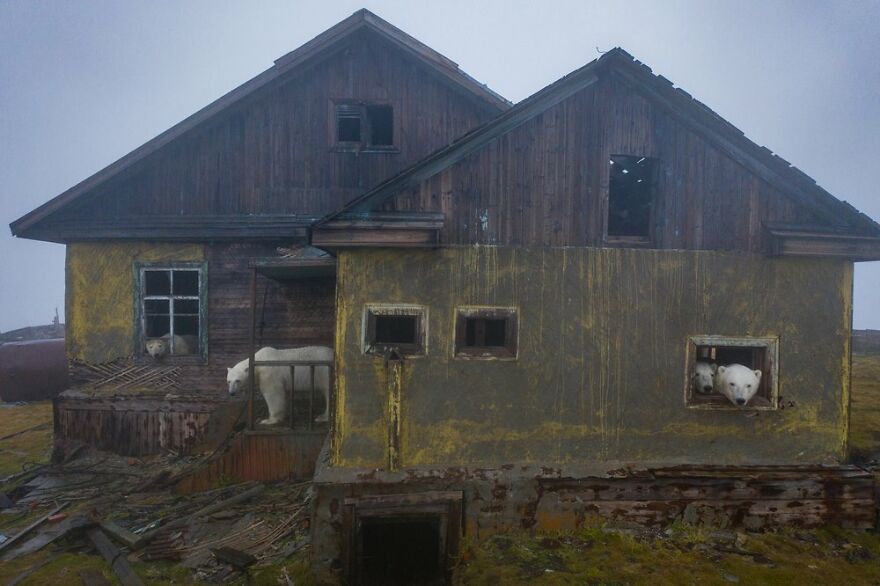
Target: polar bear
{"x": 157, "y": 348}
{"x": 704, "y": 377}
{"x": 738, "y": 383}
{"x": 274, "y": 381}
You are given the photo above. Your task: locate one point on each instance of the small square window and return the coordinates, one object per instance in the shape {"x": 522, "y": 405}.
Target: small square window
{"x": 732, "y": 373}
{"x": 485, "y": 332}
{"x": 394, "y": 328}
{"x": 364, "y": 126}
{"x": 630, "y": 197}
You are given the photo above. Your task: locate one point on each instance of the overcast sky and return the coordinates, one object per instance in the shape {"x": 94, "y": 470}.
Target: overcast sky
{"x": 83, "y": 83}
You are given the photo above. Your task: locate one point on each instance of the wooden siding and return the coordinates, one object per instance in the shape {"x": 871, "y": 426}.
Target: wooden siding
{"x": 273, "y": 153}
{"x": 546, "y": 182}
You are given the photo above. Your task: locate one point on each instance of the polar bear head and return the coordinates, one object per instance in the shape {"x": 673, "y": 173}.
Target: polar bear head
{"x": 237, "y": 377}
{"x": 157, "y": 347}
{"x": 738, "y": 383}
{"x": 704, "y": 377}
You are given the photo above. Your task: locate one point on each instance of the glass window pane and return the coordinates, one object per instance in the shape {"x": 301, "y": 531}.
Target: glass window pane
{"x": 186, "y": 283}
{"x": 157, "y": 325}
{"x": 184, "y": 306}
{"x": 186, "y": 325}
{"x": 157, "y": 282}
{"x": 348, "y": 129}
{"x": 154, "y": 306}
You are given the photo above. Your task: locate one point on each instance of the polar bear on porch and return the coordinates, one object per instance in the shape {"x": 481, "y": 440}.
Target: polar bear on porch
{"x": 274, "y": 381}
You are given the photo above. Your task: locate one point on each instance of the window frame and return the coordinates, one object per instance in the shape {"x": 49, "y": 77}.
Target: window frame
{"x": 140, "y": 269}
{"x": 628, "y": 240}
{"x": 508, "y": 351}
{"x": 769, "y": 390}
{"x": 364, "y": 145}
{"x": 374, "y": 310}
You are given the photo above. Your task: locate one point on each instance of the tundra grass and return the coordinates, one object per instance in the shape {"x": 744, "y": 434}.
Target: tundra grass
{"x": 865, "y": 410}
{"x": 31, "y": 447}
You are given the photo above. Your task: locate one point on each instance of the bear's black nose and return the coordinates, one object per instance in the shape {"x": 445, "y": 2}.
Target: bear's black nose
{"x": 740, "y": 401}
{"x": 707, "y": 389}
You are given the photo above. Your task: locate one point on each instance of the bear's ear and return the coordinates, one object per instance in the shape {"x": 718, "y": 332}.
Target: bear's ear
{"x": 757, "y": 374}
{"x": 713, "y": 368}
{"x": 228, "y": 370}
{"x": 721, "y": 369}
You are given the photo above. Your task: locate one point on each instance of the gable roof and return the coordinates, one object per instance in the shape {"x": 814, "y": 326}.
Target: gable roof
{"x": 778, "y": 172}
{"x": 319, "y": 46}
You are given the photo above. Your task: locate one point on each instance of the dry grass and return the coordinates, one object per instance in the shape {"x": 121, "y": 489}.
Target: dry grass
{"x": 865, "y": 414}
{"x": 31, "y": 447}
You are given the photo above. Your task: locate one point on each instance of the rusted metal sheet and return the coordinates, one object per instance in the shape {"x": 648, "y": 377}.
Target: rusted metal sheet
{"x": 266, "y": 456}
{"x": 32, "y": 371}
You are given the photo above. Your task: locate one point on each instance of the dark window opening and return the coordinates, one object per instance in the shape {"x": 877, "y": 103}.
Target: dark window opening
{"x": 630, "y": 196}
{"x": 395, "y": 329}
{"x": 170, "y": 309}
{"x": 366, "y": 125}
{"x": 400, "y": 329}
{"x": 708, "y": 361}
{"x": 401, "y": 551}
{"x": 487, "y": 333}
{"x": 381, "y": 121}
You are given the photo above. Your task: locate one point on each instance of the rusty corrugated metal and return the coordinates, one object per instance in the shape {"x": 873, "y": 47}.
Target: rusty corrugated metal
{"x": 32, "y": 371}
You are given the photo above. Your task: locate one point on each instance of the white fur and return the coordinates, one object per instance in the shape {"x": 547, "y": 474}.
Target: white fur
{"x": 704, "y": 377}
{"x": 738, "y": 383}
{"x": 159, "y": 347}
{"x": 274, "y": 381}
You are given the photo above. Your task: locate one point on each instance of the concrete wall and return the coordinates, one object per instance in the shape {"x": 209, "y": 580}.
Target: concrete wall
{"x": 100, "y": 294}
{"x": 601, "y": 366}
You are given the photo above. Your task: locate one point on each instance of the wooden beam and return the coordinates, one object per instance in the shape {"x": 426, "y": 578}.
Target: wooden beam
{"x": 854, "y": 248}
{"x": 413, "y": 238}
{"x": 114, "y": 557}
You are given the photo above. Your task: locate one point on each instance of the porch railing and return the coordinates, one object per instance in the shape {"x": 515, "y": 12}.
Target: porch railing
{"x": 293, "y": 416}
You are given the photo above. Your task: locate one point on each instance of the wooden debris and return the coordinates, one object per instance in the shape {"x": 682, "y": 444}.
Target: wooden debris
{"x": 92, "y": 577}
{"x": 43, "y": 539}
{"x": 239, "y": 498}
{"x": 23, "y": 431}
{"x": 120, "y": 534}
{"x": 163, "y": 547}
{"x": 114, "y": 557}
{"x": 27, "y": 573}
{"x": 7, "y": 544}
{"x": 235, "y": 557}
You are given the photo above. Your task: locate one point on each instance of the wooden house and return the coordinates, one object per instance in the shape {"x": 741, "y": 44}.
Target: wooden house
{"x": 517, "y": 298}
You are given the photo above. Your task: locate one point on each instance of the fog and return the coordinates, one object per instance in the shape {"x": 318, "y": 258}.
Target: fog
{"x": 83, "y": 83}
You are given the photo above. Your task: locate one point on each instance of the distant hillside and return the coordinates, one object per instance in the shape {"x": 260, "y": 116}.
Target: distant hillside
{"x": 55, "y": 330}
{"x": 866, "y": 342}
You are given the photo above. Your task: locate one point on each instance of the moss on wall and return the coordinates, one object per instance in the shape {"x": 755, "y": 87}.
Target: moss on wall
{"x": 100, "y": 294}
{"x": 601, "y": 365}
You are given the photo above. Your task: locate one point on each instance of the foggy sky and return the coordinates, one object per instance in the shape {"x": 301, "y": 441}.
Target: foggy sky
{"x": 83, "y": 83}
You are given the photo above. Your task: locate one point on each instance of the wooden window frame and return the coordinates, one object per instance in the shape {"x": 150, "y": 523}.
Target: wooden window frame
{"x": 767, "y": 397}
{"x": 372, "y": 311}
{"x": 508, "y": 351}
{"x": 619, "y": 241}
{"x": 364, "y": 144}
{"x": 140, "y": 269}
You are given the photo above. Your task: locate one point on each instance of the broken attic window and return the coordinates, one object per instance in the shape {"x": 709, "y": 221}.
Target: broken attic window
{"x": 348, "y": 123}
{"x": 400, "y": 329}
{"x": 170, "y": 308}
{"x": 485, "y": 333}
{"x": 369, "y": 126}
{"x": 716, "y": 351}
{"x": 630, "y": 195}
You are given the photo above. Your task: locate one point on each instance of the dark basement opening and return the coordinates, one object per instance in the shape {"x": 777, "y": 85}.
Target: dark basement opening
{"x": 401, "y": 550}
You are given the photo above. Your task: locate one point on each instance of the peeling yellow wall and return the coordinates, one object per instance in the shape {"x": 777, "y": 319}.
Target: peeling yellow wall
{"x": 100, "y": 294}
{"x": 600, "y": 371}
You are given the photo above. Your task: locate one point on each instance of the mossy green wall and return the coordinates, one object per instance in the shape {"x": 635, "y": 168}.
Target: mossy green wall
{"x": 100, "y": 294}
{"x": 601, "y": 365}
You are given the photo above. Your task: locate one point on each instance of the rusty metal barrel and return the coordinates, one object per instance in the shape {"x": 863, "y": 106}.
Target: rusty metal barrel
{"x": 32, "y": 371}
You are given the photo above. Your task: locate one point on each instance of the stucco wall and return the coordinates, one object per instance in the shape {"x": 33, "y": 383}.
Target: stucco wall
{"x": 600, "y": 371}
{"x": 100, "y": 294}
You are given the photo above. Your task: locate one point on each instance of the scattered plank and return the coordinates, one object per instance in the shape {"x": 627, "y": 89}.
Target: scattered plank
{"x": 114, "y": 557}
{"x": 239, "y": 498}
{"x": 7, "y": 544}
{"x": 239, "y": 559}
{"x": 43, "y": 539}
{"x": 120, "y": 534}
{"x": 22, "y": 431}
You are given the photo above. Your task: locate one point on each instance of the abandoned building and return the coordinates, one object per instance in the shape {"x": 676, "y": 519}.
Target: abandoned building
{"x": 517, "y": 296}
